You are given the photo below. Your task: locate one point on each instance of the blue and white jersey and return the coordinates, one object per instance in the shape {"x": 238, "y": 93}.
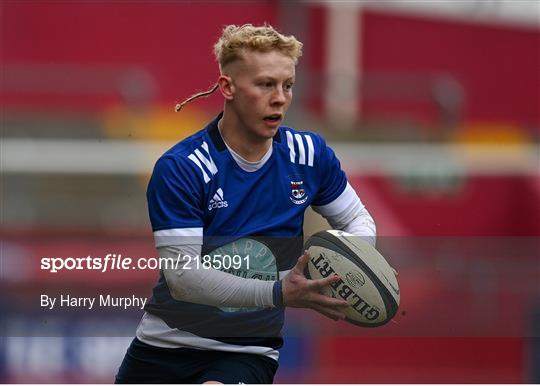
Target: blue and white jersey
{"x": 199, "y": 194}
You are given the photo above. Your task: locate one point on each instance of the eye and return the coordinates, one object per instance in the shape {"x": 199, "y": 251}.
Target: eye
{"x": 288, "y": 86}
{"x": 266, "y": 84}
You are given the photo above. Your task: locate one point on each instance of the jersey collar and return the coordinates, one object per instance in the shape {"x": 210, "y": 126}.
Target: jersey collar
{"x": 217, "y": 140}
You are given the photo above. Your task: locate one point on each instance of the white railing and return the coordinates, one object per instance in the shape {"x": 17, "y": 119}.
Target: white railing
{"x": 138, "y": 157}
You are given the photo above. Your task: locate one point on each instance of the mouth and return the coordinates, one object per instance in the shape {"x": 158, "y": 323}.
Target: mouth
{"x": 273, "y": 118}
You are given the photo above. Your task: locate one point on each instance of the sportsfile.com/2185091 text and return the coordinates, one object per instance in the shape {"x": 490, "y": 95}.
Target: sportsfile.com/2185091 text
{"x": 113, "y": 261}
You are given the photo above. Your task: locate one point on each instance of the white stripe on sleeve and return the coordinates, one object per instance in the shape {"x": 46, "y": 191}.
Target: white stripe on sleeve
{"x": 196, "y": 161}
{"x": 311, "y": 150}
{"x": 290, "y": 143}
{"x": 301, "y": 150}
{"x": 178, "y": 236}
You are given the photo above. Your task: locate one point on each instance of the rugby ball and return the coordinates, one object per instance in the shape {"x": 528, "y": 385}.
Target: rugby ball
{"x": 368, "y": 283}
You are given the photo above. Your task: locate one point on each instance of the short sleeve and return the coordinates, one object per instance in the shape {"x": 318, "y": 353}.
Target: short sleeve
{"x": 174, "y": 198}
{"x": 333, "y": 180}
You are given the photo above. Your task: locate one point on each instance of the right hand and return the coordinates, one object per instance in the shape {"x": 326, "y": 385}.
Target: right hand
{"x": 301, "y": 292}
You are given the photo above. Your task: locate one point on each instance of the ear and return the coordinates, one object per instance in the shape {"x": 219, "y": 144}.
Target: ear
{"x": 226, "y": 87}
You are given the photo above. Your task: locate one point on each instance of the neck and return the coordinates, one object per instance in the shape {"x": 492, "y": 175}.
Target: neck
{"x": 242, "y": 141}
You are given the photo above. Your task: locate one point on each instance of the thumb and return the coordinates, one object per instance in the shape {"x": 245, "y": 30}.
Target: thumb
{"x": 302, "y": 263}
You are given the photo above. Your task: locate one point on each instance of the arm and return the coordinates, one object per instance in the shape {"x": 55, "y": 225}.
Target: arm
{"x": 337, "y": 201}
{"x": 348, "y": 213}
{"x": 210, "y": 286}
{"x": 220, "y": 289}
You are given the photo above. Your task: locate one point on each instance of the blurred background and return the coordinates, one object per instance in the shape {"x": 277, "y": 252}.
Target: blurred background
{"x": 433, "y": 108}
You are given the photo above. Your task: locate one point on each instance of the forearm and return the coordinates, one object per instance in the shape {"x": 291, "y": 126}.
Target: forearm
{"x": 349, "y": 214}
{"x": 360, "y": 223}
{"x": 212, "y": 287}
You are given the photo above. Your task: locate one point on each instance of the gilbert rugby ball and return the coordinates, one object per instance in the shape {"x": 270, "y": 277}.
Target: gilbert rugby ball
{"x": 368, "y": 283}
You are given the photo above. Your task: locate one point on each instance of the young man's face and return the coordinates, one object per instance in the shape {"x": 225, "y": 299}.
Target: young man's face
{"x": 262, "y": 91}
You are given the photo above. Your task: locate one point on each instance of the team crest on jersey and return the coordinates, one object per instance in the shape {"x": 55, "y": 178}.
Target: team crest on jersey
{"x": 298, "y": 193}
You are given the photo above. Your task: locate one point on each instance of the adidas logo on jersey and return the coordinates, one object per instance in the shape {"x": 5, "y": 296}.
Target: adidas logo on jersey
{"x": 217, "y": 201}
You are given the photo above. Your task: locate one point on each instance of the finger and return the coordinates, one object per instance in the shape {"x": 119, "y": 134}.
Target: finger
{"x": 329, "y": 301}
{"x": 302, "y": 263}
{"x": 321, "y": 283}
{"x": 329, "y": 312}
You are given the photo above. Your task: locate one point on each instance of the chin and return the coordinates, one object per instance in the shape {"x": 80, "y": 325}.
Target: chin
{"x": 264, "y": 132}
{"x": 269, "y": 133}
{"x": 271, "y": 128}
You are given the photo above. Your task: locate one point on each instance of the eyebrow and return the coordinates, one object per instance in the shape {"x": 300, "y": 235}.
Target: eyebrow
{"x": 271, "y": 78}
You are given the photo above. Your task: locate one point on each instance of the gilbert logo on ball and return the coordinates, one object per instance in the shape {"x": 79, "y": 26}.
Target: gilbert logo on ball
{"x": 368, "y": 283}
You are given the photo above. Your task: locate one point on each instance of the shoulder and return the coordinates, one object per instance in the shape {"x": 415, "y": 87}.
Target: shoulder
{"x": 303, "y": 147}
{"x": 287, "y": 132}
{"x": 190, "y": 157}
{"x": 184, "y": 148}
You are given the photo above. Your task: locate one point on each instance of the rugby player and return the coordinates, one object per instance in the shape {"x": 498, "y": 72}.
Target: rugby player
{"x": 239, "y": 186}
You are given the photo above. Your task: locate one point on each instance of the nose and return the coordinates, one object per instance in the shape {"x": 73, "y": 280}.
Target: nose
{"x": 278, "y": 97}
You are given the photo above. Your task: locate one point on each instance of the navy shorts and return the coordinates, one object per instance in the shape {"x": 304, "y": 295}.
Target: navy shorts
{"x": 149, "y": 364}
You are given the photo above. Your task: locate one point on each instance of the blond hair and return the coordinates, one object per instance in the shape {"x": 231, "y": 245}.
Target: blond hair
{"x": 264, "y": 38}
{"x": 235, "y": 38}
